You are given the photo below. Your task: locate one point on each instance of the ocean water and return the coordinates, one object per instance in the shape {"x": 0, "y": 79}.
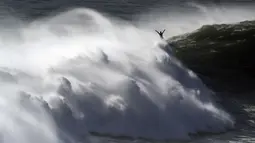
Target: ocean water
{"x": 96, "y": 71}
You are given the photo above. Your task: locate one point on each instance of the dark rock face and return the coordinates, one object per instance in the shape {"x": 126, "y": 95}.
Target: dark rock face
{"x": 223, "y": 55}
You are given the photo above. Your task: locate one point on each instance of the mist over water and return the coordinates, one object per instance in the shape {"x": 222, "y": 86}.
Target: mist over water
{"x": 178, "y": 20}
{"x": 83, "y": 71}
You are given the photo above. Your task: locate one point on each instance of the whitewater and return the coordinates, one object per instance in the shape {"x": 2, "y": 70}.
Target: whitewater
{"x": 81, "y": 71}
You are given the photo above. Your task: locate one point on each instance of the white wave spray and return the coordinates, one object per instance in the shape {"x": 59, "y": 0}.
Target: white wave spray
{"x": 81, "y": 72}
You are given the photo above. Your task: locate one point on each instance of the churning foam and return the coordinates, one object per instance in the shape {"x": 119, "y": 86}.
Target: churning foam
{"x": 81, "y": 72}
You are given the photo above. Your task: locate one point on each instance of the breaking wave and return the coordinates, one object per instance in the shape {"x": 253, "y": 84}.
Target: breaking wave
{"x": 80, "y": 72}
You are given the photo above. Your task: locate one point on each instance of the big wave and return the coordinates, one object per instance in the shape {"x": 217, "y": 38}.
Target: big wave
{"x": 80, "y": 72}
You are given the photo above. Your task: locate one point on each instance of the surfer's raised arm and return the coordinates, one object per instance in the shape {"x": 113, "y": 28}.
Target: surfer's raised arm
{"x": 161, "y": 33}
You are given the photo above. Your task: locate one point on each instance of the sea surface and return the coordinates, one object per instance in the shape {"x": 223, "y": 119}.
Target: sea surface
{"x": 95, "y": 71}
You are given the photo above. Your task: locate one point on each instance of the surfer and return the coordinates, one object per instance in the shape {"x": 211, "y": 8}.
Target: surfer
{"x": 161, "y": 33}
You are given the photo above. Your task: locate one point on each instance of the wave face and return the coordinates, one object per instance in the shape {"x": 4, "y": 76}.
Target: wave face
{"x": 81, "y": 72}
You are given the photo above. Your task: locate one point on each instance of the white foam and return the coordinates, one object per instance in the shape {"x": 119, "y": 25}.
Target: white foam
{"x": 92, "y": 74}
{"x": 23, "y": 119}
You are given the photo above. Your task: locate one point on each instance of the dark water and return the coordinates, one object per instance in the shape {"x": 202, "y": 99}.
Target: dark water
{"x": 128, "y": 9}
{"x": 125, "y": 9}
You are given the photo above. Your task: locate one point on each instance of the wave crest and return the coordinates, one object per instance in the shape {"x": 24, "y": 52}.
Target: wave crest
{"x": 119, "y": 82}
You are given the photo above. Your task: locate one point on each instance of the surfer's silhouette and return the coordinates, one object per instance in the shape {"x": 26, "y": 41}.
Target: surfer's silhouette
{"x": 161, "y": 33}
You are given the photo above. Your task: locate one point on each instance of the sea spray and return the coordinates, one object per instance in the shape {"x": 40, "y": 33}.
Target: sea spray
{"x": 90, "y": 74}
